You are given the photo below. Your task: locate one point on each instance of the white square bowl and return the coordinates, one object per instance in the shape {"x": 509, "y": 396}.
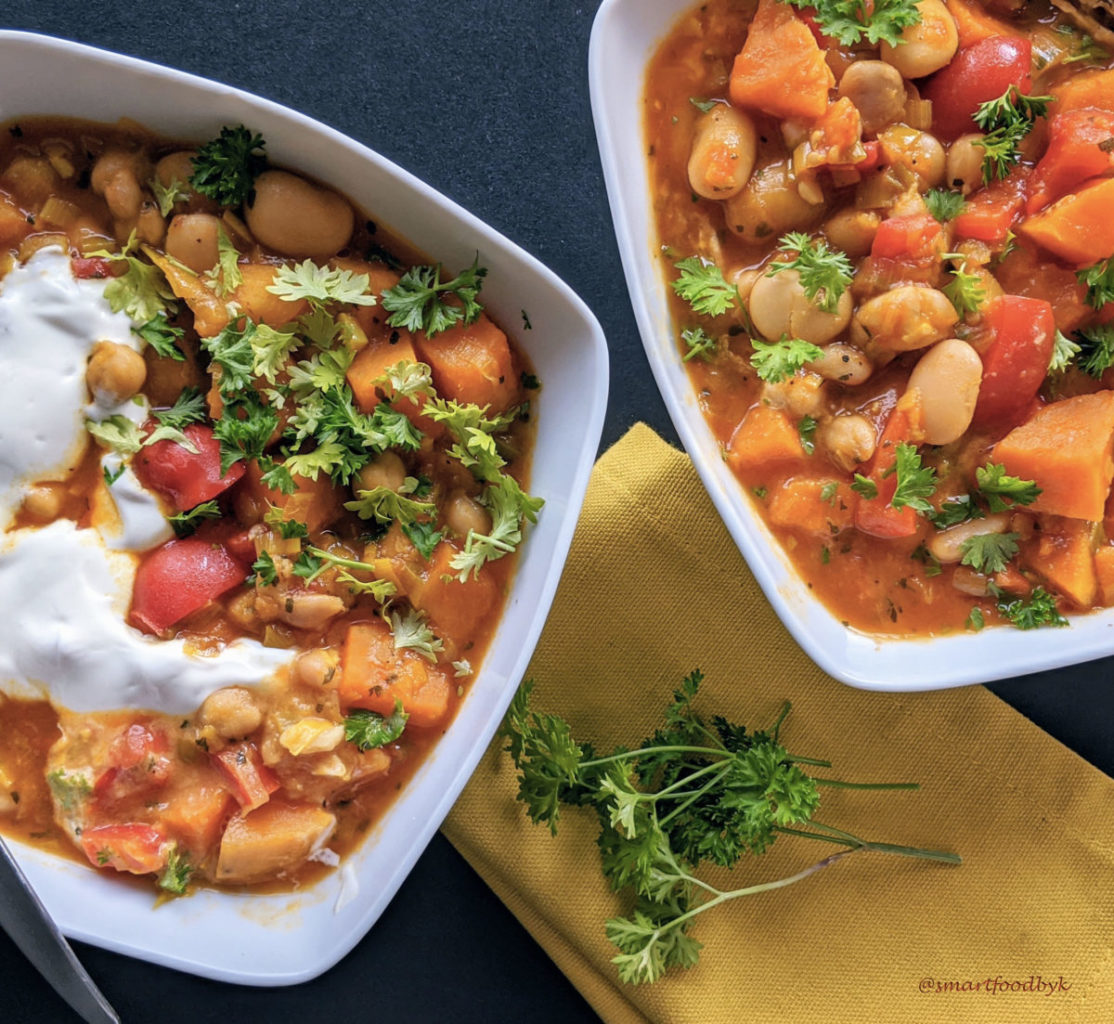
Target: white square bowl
{"x": 624, "y": 37}
{"x": 285, "y": 938}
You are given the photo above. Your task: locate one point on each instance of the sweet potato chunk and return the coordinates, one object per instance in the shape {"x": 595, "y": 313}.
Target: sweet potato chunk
{"x": 1064, "y": 557}
{"x": 272, "y": 839}
{"x": 764, "y": 437}
{"x": 1067, "y": 449}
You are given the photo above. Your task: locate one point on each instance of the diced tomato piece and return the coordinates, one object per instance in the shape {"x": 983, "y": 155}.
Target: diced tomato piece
{"x": 1080, "y": 147}
{"x": 180, "y": 577}
{"x": 91, "y": 267}
{"x": 991, "y": 211}
{"x": 1016, "y": 362}
{"x": 186, "y": 478}
{"x": 135, "y": 848}
{"x": 137, "y": 762}
{"x": 977, "y": 74}
{"x": 248, "y": 779}
{"x": 905, "y": 237}
{"x": 876, "y": 516}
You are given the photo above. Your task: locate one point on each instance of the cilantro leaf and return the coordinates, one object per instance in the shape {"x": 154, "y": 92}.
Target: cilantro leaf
{"x": 418, "y": 301}
{"x": 778, "y": 360}
{"x": 225, "y": 168}
{"x": 702, "y": 285}
{"x": 989, "y": 552}
{"x": 368, "y": 729}
{"x": 319, "y": 285}
{"x": 824, "y": 273}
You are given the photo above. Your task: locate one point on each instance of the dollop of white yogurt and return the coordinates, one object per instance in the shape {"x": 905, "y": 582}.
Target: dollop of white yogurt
{"x": 65, "y": 592}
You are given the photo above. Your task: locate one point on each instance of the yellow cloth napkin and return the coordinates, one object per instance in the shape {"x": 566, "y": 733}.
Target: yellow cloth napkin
{"x": 654, "y": 587}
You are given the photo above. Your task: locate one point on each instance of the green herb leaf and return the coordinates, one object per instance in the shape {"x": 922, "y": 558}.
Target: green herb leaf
{"x": 702, "y": 285}
{"x": 806, "y": 430}
{"x": 225, "y": 169}
{"x": 995, "y": 484}
{"x": 118, "y": 433}
{"x": 185, "y": 523}
{"x": 419, "y": 301}
{"x": 865, "y": 487}
{"x": 162, "y": 337}
{"x": 700, "y": 344}
{"x": 989, "y": 552}
{"x": 1033, "y": 613}
{"x": 779, "y": 360}
{"x": 1099, "y": 282}
{"x": 368, "y": 729}
{"x": 966, "y": 292}
{"x": 848, "y": 21}
{"x": 1097, "y": 349}
{"x": 411, "y": 631}
{"x": 175, "y": 877}
{"x": 824, "y": 273}
{"x": 944, "y": 204}
{"x": 263, "y": 570}
{"x": 1006, "y": 121}
{"x": 320, "y": 285}
{"x": 915, "y": 483}
{"x": 1064, "y": 351}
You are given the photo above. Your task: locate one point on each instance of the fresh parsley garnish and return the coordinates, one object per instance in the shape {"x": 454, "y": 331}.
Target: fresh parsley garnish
{"x": 702, "y": 285}
{"x": 167, "y": 195}
{"x": 1096, "y": 349}
{"x": 175, "y": 877}
{"x": 225, "y": 169}
{"x": 702, "y": 105}
{"x": 1032, "y": 613}
{"x": 825, "y": 274}
{"x": 385, "y": 505}
{"x": 1098, "y": 279}
{"x": 695, "y": 791}
{"x": 955, "y": 511}
{"x": 419, "y": 301}
{"x": 1064, "y": 351}
{"x": 162, "y": 337}
{"x": 423, "y": 535}
{"x": 850, "y": 21}
{"x": 989, "y": 552}
{"x": 369, "y": 729}
{"x": 1006, "y": 121}
{"x": 118, "y": 433}
{"x": 320, "y": 285}
{"x": 864, "y": 487}
{"x": 185, "y": 523}
{"x": 411, "y": 631}
{"x": 966, "y": 291}
{"x": 995, "y": 485}
{"x": 700, "y": 344}
{"x": 776, "y": 361}
{"x": 944, "y": 204}
{"x": 806, "y": 430}
{"x": 263, "y": 570}
{"x": 915, "y": 482}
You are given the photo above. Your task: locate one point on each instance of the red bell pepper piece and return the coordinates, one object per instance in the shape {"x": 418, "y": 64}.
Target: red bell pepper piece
{"x": 991, "y": 211}
{"x": 977, "y": 74}
{"x": 245, "y": 775}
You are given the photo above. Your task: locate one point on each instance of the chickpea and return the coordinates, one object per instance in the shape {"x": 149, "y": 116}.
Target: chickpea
{"x": 115, "y": 373}
{"x": 316, "y": 668}
{"x": 31, "y": 177}
{"x": 150, "y": 225}
{"x": 800, "y": 395}
{"x": 296, "y": 218}
{"x": 385, "y": 470}
{"x": 464, "y": 515}
{"x": 877, "y": 90}
{"x": 917, "y": 151}
{"x": 903, "y": 319}
{"x": 948, "y": 376}
{"x": 852, "y": 231}
{"x": 192, "y": 240}
{"x": 778, "y": 305}
{"x": 947, "y": 545}
{"x": 770, "y": 205}
{"x": 43, "y": 502}
{"x": 964, "y": 163}
{"x": 926, "y": 46}
{"x": 231, "y": 712}
{"x": 175, "y": 167}
{"x": 843, "y": 363}
{"x": 849, "y": 440}
{"x": 723, "y": 149}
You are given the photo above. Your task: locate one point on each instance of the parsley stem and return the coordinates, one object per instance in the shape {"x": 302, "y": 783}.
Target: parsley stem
{"x": 857, "y": 843}
{"x": 817, "y": 762}
{"x": 626, "y": 755}
{"x": 840, "y": 784}
{"x": 723, "y": 766}
{"x": 331, "y": 560}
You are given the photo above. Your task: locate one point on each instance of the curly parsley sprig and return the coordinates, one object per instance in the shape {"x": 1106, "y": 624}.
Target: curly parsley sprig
{"x": 825, "y": 274}
{"x": 851, "y": 21}
{"x": 1006, "y": 121}
{"x": 694, "y": 791}
{"x": 419, "y": 301}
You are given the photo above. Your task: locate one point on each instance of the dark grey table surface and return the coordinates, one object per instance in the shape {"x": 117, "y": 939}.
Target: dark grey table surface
{"x": 487, "y": 101}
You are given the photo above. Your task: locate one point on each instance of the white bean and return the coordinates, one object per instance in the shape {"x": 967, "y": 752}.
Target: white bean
{"x": 948, "y": 377}
{"x": 778, "y": 305}
{"x": 723, "y": 150}
{"x": 903, "y": 319}
{"x": 947, "y": 546}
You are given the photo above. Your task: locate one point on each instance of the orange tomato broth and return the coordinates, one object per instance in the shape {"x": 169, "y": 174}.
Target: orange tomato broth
{"x": 870, "y": 583}
{"x": 187, "y": 798}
